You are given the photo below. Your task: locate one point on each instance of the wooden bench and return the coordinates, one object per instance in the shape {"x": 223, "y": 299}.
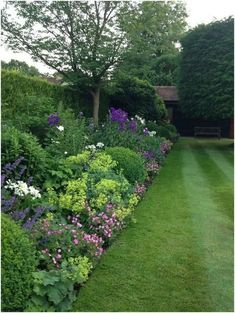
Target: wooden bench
{"x": 207, "y": 131}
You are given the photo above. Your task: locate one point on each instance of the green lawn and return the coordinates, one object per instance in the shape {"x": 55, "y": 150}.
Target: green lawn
{"x": 178, "y": 256}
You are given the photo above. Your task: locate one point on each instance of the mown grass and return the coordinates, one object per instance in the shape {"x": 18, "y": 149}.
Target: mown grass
{"x": 178, "y": 256}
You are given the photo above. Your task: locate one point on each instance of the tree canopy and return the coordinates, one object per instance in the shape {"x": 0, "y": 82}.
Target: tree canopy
{"x": 206, "y": 84}
{"x": 154, "y": 30}
{"x": 83, "y": 41}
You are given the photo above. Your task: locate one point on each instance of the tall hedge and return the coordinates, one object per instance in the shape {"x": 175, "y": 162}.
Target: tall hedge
{"x": 206, "y": 83}
{"x": 15, "y": 86}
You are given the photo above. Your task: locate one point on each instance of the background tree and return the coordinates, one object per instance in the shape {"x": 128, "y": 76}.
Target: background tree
{"x": 206, "y": 85}
{"x": 20, "y": 66}
{"x": 83, "y": 41}
{"x": 154, "y": 29}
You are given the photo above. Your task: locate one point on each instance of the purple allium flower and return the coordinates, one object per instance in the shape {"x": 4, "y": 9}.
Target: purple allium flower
{"x": 118, "y": 115}
{"x": 53, "y": 119}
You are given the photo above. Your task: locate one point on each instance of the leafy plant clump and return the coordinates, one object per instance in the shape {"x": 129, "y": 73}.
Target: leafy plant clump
{"x": 130, "y": 162}
{"x": 18, "y": 264}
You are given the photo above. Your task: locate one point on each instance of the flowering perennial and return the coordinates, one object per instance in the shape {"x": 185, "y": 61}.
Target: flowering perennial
{"x": 53, "y": 119}
{"x": 21, "y": 189}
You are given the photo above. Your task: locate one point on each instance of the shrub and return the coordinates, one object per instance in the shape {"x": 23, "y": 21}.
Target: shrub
{"x": 68, "y": 137}
{"x": 131, "y": 163}
{"x": 136, "y": 97}
{"x": 18, "y": 263}
{"x": 16, "y": 143}
{"x": 30, "y": 115}
{"x": 167, "y": 131}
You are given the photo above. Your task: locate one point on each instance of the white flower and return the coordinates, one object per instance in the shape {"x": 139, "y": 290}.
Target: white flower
{"x": 34, "y": 192}
{"x": 65, "y": 152}
{"x": 142, "y": 120}
{"x": 60, "y": 128}
{"x": 91, "y": 147}
{"x": 152, "y": 133}
{"x": 100, "y": 145}
{"x": 21, "y": 189}
{"x": 54, "y": 141}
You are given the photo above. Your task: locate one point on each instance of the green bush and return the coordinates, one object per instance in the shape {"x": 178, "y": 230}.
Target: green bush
{"x": 16, "y": 143}
{"x": 136, "y": 97}
{"x": 18, "y": 263}
{"x": 167, "y": 131}
{"x": 69, "y": 141}
{"x": 31, "y": 116}
{"x": 131, "y": 163}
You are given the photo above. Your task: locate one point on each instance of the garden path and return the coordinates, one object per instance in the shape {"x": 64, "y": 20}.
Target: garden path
{"x": 178, "y": 256}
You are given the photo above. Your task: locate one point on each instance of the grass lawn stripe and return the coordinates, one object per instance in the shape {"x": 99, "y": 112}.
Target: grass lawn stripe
{"x": 162, "y": 263}
{"x": 213, "y": 225}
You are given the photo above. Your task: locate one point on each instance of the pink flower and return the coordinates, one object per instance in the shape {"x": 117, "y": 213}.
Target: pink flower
{"x": 75, "y": 241}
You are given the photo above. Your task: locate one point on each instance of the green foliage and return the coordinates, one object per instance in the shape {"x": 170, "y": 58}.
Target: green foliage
{"x": 20, "y": 66}
{"x": 86, "y": 54}
{"x": 165, "y": 70}
{"x": 31, "y": 115}
{"x": 156, "y": 26}
{"x": 130, "y": 162}
{"x": 167, "y": 131}
{"x": 77, "y": 269}
{"x": 75, "y": 197}
{"x": 99, "y": 185}
{"x": 18, "y": 262}
{"x": 18, "y": 88}
{"x": 206, "y": 71}
{"x": 136, "y": 97}
{"x": 71, "y": 140}
{"x": 16, "y": 143}
{"x": 52, "y": 292}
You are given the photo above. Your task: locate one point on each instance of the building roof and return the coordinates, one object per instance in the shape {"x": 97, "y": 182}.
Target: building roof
{"x": 167, "y": 93}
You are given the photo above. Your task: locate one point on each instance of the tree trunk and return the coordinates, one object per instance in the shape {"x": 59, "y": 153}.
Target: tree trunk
{"x": 96, "y": 103}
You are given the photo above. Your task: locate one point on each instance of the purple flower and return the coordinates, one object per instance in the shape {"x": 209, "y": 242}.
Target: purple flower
{"x": 3, "y": 178}
{"x": 30, "y": 180}
{"x": 20, "y": 215}
{"x": 149, "y": 154}
{"x": 133, "y": 126}
{"x": 146, "y": 131}
{"x": 118, "y": 115}
{"x": 53, "y": 119}
{"x": 31, "y": 221}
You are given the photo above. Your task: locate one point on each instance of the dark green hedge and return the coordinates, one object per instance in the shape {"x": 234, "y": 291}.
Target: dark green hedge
{"x": 206, "y": 83}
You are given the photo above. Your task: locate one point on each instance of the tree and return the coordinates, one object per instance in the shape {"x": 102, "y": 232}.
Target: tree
{"x": 82, "y": 41}
{"x": 22, "y": 67}
{"x": 206, "y": 71}
{"x": 154, "y": 29}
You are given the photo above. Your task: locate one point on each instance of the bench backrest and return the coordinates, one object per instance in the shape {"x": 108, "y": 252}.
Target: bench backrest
{"x": 208, "y": 129}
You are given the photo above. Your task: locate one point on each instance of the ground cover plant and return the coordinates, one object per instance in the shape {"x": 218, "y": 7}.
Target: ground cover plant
{"x": 71, "y": 210}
